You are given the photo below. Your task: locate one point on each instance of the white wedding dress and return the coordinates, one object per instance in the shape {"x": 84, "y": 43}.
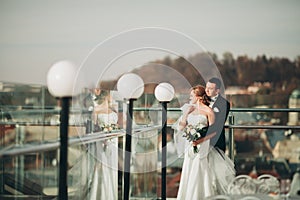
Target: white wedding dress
{"x": 105, "y": 178}
{"x": 205, "y": 173}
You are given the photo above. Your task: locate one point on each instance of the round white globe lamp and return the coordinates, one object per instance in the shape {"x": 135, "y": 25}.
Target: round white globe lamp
{"x": 130, "y": 86}
{"x": 60, "y": 79}
{"x": 164, "y": 92}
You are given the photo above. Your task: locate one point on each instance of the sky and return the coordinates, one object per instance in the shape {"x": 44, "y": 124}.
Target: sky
{"x": 36, "y": 34}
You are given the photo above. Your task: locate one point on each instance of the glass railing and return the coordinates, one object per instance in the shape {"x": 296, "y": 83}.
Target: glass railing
{"x": 29, "y": 168}
{"x": 29, "y": 152}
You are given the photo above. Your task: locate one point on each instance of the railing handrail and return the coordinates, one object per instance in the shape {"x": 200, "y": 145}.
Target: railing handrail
{"x": 231, "y": 109}
{"x": 264, "y": 110}
{"x": 14, "y": 150}
{"x": 55, "y": 144}
{"x": 55, "y": 111}
{"x": 262, "y": 126}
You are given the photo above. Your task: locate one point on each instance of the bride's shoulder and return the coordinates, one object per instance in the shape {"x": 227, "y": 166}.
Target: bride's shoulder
{"x": 208, "y": 109}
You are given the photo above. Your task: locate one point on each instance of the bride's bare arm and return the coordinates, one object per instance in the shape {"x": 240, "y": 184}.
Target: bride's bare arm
{"x": 195, "y": 143}
{"x": 183, "y": 120}
{"x": 211, "y": 117}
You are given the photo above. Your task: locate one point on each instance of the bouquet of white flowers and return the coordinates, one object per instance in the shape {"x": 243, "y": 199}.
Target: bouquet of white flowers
{"x": 194, "y": 133}
{"x": 107, "y": 128}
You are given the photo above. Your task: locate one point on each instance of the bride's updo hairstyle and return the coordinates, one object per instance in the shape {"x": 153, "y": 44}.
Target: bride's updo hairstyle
{"x": 103, "y": 95}
{"x": 199, "y": 91}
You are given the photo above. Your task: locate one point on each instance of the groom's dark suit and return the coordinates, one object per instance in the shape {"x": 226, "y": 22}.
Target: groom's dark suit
{"x": 221, "y": 109}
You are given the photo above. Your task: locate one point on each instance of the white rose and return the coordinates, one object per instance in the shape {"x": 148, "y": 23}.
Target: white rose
{"x": 193, "y": 131}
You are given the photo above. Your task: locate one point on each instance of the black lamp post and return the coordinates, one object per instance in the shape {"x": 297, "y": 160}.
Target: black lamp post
{"x": 128, "y": 149}
{"x": 63, "y": 154}
{"x": 164, "y": 93}
{"x": 130, "y": 86}
{"x": 60, "y": 80}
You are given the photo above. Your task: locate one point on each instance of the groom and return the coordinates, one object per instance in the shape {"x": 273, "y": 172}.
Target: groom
{"x": 221, "y": 108}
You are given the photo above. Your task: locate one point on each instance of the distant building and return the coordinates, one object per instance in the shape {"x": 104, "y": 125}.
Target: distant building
{"x": 251, "y": 89}
{"x": 294, "y": 102}
{"x": 233, "y": 90}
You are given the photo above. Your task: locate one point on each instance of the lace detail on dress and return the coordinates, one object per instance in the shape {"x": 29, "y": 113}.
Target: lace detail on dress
{"x": 195, "y": 119}
{"x": 104, "y": 118}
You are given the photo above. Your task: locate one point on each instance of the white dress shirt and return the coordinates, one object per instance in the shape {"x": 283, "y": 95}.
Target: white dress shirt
{"x": 213, "y": 99}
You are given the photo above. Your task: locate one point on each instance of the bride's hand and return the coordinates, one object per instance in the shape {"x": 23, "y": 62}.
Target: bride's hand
{"x": 195, "y": 143}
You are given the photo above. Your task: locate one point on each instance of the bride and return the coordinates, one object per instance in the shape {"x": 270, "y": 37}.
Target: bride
{"x": 206, "y": 170}
{"x": 105, "y": 180}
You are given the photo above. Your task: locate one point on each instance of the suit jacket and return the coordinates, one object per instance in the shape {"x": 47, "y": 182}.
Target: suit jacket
{"x": 221, "y": 109}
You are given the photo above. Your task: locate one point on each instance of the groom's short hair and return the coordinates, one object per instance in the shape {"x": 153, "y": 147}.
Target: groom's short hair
{"x": 216, "y": 81}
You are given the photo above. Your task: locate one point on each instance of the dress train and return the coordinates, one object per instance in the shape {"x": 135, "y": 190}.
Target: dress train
{"x": 205, "y": 174}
